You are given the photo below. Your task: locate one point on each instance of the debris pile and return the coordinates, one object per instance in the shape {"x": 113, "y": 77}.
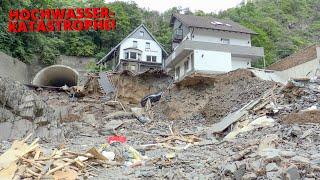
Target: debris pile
{"x": 212, "y": 97}
{"x": 22, "y": 111}
{"x": 277, "y": 138}
{"x": 24, "y": 160}
{"x": 230, "y": 126}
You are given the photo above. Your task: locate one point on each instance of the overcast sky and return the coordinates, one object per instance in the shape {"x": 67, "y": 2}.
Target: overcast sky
{"x": 204, "y": 5}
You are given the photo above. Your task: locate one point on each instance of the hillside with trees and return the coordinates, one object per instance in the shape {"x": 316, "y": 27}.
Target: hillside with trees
{"x": 284, "y": 26}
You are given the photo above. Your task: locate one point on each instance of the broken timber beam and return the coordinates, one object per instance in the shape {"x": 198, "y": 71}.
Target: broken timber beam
{"x": 235, "y": 116}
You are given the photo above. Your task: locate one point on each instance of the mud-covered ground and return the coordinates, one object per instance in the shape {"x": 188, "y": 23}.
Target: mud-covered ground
{"x": 177, "y": 141}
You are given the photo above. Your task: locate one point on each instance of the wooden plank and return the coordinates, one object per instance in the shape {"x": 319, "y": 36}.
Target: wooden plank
{"x": 232, "y": 118}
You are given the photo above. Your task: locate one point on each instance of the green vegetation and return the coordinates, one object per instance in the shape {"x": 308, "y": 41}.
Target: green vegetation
{"x": 284, "y": 26}
{"x": 93, "y": 67}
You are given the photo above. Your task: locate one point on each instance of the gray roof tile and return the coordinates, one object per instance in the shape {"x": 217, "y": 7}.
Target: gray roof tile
{"x": 211, "y": 23}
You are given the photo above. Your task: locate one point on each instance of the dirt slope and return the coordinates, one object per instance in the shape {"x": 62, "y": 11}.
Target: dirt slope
{"x": 211, "y": 97}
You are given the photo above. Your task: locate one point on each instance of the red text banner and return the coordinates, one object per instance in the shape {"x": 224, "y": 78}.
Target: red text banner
{"x": 55, "y": 20}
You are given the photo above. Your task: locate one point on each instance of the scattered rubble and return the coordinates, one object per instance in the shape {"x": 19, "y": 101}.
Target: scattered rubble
{"x": 212, "y": 100}
{"x": 264, "y": 133}
{"x": 22, "y": 111}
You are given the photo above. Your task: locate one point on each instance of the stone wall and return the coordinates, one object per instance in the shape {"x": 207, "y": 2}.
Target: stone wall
{"x": 13, "y": 69}
{"x": 16, "y": 70}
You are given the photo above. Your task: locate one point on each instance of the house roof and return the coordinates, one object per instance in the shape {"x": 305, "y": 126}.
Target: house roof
{"x": 305, "y": 55}
{"x": 209, "y": 22}
{"x": 110, "y": 53}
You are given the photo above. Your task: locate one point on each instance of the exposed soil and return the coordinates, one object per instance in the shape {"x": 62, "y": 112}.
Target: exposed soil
{"x": 132, "y": 88}
{"x": 211, "y": 97}
{"x": 176, "y": 140}
{"x": 312, "y": 116}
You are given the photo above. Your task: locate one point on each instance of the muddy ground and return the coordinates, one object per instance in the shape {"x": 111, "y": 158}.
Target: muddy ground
{"x": 193, "y": 99}
{"x": 177, "y": 141}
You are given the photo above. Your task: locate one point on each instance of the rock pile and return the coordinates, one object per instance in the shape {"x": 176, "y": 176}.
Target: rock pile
{"x": 211, "y": 98}
{"x": 22, "y": 111}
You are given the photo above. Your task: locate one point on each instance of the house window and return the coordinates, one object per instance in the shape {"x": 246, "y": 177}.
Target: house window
{"x": 135, "y": 44}
{"x": 186, "y": 65}
{"x": 139, "y": 56}
{"x": 147, "y": 46}
{"x": 178, "y": 34}
{"x": 149, "y": 58}
{"x": 133, "y": 55}
{"x": 154, "y": 58}
{"x": 178, "y": 72}
{"x": 126, "y": 55}
{"x": 141, "y": 33}
{"x": 225, "y": 41}
{"x": 192, "y": 60}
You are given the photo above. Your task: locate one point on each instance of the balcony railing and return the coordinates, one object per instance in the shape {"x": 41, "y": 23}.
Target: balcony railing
{"x": 188, "y": 45}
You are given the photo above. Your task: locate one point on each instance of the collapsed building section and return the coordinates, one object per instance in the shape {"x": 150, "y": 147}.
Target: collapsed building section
{"x": 56, "y": 76}
{"x": 131, "y": 88}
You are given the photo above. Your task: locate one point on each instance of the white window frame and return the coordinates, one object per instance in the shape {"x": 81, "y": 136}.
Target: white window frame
{"x": 153, "y": 58}
{"x": 133, "y": 53}
{"x": 135, "y": 44}
{"x": 186, "y": 65}
{"x": 148, "y": 45}
{"x": 177, "y": 72}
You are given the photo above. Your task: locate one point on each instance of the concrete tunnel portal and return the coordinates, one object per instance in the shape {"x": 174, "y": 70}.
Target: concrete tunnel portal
{"x": 56, "y": 76}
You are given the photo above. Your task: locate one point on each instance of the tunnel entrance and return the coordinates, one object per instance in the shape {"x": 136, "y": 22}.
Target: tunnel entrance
{"x": 56, "y": 76}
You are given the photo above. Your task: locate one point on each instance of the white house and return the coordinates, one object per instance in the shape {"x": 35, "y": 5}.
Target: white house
{"x": 138, "y": 52}
{"x": 302, "y": 64}
{"x": 209, "y": 45}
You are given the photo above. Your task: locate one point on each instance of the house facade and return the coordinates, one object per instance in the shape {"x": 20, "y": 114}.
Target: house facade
{"x": 302, "y": 64}
{"x": 138, "y": 52}
{"x": 209, "y": 45}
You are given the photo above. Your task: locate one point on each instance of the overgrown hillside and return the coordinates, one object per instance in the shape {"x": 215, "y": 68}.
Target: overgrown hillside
{"x": 91, "y": 43}
{"x": 284, "y": 26}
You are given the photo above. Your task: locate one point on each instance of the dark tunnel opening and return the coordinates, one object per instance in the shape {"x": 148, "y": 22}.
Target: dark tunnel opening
{"x": 56, "y": 76}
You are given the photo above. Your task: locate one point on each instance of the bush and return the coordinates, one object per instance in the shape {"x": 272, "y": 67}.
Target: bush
{"x": 93, "y": 67}
{"x": 99, "y": 55}
{"x": 49, "y": 56}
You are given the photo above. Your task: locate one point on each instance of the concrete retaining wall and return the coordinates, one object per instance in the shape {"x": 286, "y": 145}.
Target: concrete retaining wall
{"x": 13, "y": 68}
{"x": 77, "y": 63}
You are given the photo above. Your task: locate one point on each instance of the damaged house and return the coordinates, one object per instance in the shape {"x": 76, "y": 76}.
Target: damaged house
{"x": 138, "y": 52}
{"x": 209, "y": 45}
